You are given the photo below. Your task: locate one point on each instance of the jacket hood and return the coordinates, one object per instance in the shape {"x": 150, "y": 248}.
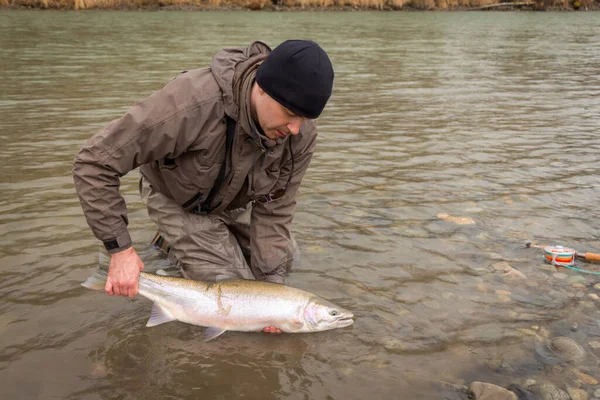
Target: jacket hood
{"x": 229, "y": 65}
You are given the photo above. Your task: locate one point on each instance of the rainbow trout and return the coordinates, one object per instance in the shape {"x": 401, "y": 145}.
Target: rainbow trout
{"x": 233, "y": 305}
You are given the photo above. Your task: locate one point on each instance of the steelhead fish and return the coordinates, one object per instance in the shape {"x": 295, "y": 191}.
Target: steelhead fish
{"x": 233, "y": 305}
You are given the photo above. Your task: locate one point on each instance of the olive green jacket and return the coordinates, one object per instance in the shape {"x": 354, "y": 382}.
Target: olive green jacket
{"x": 177, "y": 138}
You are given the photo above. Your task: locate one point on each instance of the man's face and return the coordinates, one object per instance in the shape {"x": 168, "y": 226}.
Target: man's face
{"x": 275, "y": 120}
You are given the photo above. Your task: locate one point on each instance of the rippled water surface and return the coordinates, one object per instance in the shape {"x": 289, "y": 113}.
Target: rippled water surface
{"x": 489, "y": 117}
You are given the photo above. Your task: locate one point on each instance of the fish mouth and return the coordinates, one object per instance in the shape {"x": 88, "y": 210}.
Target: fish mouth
{"x": 345, "y": 320}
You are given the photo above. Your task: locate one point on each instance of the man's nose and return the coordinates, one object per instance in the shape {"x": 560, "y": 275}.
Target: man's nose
{"x": 294, "y": 125}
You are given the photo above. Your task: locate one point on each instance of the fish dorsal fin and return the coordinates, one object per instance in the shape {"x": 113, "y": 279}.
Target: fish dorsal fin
{"x": 159, "y": 316}
{"x": 212, "y": 333}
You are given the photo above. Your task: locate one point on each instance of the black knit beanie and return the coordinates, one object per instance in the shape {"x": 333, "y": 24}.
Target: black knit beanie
{"x": 298, "y": 75}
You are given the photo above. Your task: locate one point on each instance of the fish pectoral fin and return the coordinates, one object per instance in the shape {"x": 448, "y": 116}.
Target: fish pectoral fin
{"x": 159, "y": 316}
{"x": 212, "y": 333}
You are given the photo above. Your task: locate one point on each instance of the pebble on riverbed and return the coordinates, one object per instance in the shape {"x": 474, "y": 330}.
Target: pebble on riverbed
{"x": 507, "y": 270}
{"x": 548, "y": 391}
{"x": 585, "y": 378}
{"x": 567, "y": 349}
{"x": 456, "y": 220}
{"x": 577, "y": 394}
{"x": 487, "y": 391}
{"x": 594, "y": 344}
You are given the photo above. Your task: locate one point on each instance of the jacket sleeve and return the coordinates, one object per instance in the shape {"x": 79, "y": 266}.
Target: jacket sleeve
{"x": 272, "y": 245}
{"x": 165, "y": 124}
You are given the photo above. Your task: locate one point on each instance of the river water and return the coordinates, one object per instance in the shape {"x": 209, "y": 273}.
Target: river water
{"x": 451, "y": 140}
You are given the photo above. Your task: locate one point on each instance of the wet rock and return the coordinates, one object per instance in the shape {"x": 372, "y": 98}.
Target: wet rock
{"x": 483, "y": 237}
{"x": 593, "y": 296}
{"x": 548, "y": 391}
{"x": 528, "y": 332}
{"x": 597, "y": 393}
{"x": 482, "y": 288}
{"x": 494, "y": 364}
{"x": 504, "y": 299}
{"x": 577, "y": 394}
{"x": 506, "y": 270}
{"x": 531, "y": 284}
{"x": 402, "y": 311}
{"x": 366, "y": 358}
{"x": 449, "y": 296}
{"x": 578, "y": 286}
{"x": 522, "y": 393}
{"x": 487, "y": 391}
{"x": 99, "y": 370}
{"x": 431, "y": 304}
{"x": 529, "y": 382}
{"x": 587, "y": 305}
{"x": 585, "y": 378}
{"x": 346, "y": 370}
{"x": 597, "y": 286}
{"x": 391, "y": 343}
{"x": 507, "y": 367}
{"x": 567, "y": 349}
{"x": 594, "y": 344}
{"x": 456, "y": 220}
{"x": 576, "y": 279}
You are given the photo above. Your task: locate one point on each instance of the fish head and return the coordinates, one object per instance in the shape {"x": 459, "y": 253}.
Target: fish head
{"x": 321, "y": 315}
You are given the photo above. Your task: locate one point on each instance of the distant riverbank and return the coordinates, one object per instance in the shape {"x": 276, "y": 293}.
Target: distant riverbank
{"x": 306, "y": 5}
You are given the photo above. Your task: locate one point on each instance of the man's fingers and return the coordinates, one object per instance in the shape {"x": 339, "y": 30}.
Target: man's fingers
{"x": 116, "y": 289}
{"x": 108, "y": 288}
{"x": 271, "y": 329}
{"x": 133, "y": 290}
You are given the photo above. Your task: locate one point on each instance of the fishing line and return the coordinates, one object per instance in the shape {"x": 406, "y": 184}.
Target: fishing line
{"x": 581, "y": 270}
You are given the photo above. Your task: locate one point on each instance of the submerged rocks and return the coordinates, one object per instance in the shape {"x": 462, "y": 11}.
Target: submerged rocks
{"x": 577, "y": 394}
{"x": 560, "y": 349}
{"x": 567, "y": 348}
{"x": 594, "y": 344}
{"x": 487, "y": 391}
{"x": 584, "y": 378}
{"x": 456, "y": 220}
{"x": 506, "y": 270}
{"x": 548, "y": 391}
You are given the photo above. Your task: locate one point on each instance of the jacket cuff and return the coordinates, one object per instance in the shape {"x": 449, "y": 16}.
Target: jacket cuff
{"x": 118, "y": 244}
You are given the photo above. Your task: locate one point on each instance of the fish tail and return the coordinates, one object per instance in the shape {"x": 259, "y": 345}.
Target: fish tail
{"x": 98, "y": 280}
{"x": 103, "y": 260}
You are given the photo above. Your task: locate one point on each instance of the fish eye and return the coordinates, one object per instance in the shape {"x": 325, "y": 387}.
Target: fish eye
{"x": 333, "y": 313}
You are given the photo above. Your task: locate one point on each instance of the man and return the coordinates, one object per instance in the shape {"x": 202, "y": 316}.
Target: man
{"x": 222, "y": 152}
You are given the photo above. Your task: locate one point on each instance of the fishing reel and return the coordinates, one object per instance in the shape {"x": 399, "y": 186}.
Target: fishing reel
{"x": 560, "y": 256}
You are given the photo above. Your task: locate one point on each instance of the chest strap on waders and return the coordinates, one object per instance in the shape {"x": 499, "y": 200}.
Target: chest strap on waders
{"x": 205, "y": 207}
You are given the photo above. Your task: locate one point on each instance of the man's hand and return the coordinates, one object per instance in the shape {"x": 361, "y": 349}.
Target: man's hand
{"x": 123, "y": 273}
{"x": 272, "y": 329}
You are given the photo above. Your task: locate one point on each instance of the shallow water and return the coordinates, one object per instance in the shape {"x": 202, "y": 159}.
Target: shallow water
{"x": 491, "y": 117}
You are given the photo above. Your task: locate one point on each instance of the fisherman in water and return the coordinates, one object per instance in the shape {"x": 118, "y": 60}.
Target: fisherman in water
{"x": 222, "y": 152}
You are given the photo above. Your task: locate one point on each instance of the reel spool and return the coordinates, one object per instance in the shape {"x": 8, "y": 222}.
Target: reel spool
{"x": 560, "y": 256}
